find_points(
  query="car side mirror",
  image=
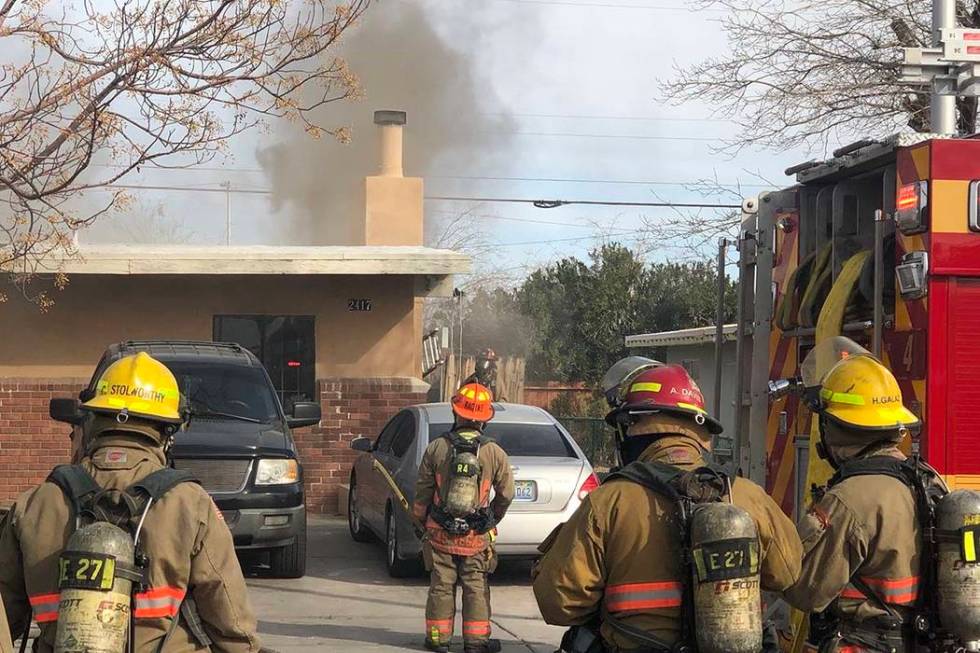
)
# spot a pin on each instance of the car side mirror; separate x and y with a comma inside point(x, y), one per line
point(66, 410)
point(304, 413)
point(362, 444)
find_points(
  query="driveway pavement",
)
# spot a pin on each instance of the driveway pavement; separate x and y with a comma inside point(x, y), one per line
point(347, 602)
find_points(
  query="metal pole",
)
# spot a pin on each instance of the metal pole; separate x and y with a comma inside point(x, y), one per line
point(227, 186)
point(719, 326)
point(942, 107)
point(879, 292)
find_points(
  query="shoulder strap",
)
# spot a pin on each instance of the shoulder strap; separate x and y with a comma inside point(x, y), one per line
point(707, 483)
point(158, 483)
point(658, 477)
point(77, 484)
point(872, 466)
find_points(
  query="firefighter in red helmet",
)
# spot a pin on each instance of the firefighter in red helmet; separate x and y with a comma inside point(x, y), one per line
point(621, 572)
point(452, 495)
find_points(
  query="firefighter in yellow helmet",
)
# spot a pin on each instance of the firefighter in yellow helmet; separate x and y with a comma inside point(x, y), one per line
point(187, 589)
point(452, 496)
point(616, 571)
point(863, 563)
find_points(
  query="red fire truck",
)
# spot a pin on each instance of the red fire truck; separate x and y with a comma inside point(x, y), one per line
point(882, 244)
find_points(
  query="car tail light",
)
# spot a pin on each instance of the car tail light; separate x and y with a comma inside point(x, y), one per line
point(591, 483)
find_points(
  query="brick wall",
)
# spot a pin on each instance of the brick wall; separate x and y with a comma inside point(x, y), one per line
point(31, 443)
point(351, 408)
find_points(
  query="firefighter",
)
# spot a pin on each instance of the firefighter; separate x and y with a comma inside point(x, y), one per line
point(192, 594)
point(614, 571)
point(486, 371)
point(862, 540)
point(452, 496)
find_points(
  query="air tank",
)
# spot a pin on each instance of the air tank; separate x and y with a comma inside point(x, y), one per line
point(94, 610)
point(463, 495)
point(726, 592)
point(958, 569)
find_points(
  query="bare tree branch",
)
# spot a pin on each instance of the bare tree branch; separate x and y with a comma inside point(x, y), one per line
point(142, 83)
point(806, 72)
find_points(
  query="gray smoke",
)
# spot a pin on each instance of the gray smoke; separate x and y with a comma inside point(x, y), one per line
point(403, 63)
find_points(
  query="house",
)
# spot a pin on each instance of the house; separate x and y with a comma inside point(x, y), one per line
point(341, 325)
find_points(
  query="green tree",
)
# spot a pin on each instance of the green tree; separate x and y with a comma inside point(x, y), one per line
point(581, 311)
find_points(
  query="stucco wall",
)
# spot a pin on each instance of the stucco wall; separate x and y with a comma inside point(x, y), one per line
point(94, 311)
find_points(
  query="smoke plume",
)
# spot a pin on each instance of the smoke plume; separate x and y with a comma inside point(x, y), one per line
point(403, 63)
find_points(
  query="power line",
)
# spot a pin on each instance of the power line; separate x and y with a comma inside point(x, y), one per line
point(566, 240)
point(605, 5)
point(246, 191)
point(565, 116)
point(487, 216)
point(706, 139)
point(624, 182)
point(189, 168)
point(594, 181)
point(551, 204)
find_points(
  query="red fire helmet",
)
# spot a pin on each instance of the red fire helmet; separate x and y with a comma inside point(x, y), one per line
point(667, 388)
point(473, 401)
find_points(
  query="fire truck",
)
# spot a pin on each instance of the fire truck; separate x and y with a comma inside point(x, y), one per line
point(881, 243)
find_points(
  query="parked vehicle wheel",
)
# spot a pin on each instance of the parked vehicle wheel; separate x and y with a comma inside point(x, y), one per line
point(397, 567)
point(359, 531)
point(290, 561)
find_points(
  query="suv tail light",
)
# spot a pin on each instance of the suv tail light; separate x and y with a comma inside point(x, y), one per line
point(591, 483)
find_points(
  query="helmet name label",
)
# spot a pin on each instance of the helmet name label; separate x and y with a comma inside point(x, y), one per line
point(887, 399)
point(125, 390)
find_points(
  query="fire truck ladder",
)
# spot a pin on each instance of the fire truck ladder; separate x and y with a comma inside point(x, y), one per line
point(756, 300)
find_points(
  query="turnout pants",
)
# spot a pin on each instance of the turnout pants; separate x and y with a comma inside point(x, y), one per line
point(470, 572)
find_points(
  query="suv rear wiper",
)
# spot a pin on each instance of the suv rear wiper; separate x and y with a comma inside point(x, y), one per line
point(216, 413)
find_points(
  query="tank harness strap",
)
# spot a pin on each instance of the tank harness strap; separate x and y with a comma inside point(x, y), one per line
point(78, 486)
point(153, 487)
point(686, 488)
point(651, 644)
point(192, 619)
point(919, 478)
point(158, 483)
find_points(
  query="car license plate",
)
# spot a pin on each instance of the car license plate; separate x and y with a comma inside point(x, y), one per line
point(525, 491)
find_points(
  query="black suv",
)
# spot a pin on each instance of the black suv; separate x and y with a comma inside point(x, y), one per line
point(237, 442)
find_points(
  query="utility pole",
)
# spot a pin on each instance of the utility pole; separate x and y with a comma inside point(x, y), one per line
point(227, 186)
point(943, 100)
point(950, 68)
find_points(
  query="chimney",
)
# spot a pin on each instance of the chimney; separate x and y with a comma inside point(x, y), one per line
point(391, 123)
point(392, 211)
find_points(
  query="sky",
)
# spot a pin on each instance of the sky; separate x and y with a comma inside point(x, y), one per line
point(512, 95)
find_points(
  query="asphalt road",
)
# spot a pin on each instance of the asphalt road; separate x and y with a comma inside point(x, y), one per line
point(347, 602)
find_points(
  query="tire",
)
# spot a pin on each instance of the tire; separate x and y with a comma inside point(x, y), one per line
point(397, 567)
point(290, 561)
point(359, 531)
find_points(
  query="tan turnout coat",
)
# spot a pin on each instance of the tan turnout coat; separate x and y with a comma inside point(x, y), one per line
point(619, 552)
point(189, 546)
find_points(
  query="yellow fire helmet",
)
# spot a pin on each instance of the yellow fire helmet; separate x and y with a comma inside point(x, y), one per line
point(860, 392)
point(140, 386)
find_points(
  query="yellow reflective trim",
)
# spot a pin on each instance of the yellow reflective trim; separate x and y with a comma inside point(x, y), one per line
point(842, 397)
point(691, 407)
point(646, 387)
point(969, 547)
